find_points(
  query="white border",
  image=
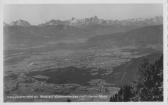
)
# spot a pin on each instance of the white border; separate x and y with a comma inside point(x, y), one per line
point(165, 43)
point(165, 50)
point(80, 1)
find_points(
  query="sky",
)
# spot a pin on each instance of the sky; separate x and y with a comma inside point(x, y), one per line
point(40, 13)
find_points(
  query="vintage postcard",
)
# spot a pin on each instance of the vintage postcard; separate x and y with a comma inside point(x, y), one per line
point(84, 52)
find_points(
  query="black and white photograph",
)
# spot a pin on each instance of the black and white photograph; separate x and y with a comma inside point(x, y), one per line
point(83, 52)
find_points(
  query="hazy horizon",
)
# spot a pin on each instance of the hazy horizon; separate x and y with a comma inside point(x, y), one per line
point(40, 13)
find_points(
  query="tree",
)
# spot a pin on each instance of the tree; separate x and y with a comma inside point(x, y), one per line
point(125, 94)
point(149, 86)
point(68, 100)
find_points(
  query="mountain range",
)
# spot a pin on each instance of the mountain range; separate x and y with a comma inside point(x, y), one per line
point(22, 34)
point(141, 36)
point(93, 21)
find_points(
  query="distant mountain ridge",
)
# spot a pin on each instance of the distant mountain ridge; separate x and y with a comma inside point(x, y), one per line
point(99, 37)
point(94, 21)
point(20, 22)
point(149, 35)
point(110, 33)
